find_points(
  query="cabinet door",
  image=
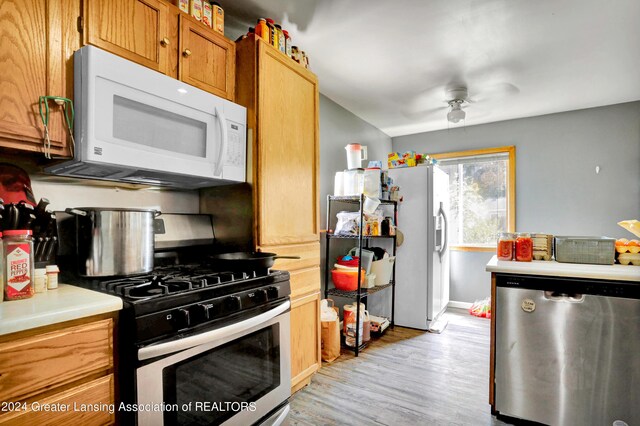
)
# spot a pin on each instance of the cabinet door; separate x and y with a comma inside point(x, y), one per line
point(305, 339)
point(133, 29)
point(208, 60)
point(37, 37)
point(287, 145)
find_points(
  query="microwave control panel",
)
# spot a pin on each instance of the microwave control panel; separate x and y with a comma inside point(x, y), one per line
point(235, 145)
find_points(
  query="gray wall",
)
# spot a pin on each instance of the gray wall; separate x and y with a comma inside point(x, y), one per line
point(339, 127)
point(557, 188)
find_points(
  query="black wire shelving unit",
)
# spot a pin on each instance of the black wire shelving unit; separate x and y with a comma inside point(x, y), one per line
point(361, 294)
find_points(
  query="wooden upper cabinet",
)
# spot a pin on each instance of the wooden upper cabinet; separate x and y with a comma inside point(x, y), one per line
point(207, 60)
point(287, 175)
point(37, 40)
point(134, 29)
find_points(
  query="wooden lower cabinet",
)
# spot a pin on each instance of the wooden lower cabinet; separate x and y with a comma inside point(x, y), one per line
point(86, 404)
point(305, 339)
point(69, 366)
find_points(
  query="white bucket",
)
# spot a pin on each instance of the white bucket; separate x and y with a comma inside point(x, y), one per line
point(383, 269)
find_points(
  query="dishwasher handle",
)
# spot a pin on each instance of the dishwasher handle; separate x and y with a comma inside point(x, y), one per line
point(556, 296)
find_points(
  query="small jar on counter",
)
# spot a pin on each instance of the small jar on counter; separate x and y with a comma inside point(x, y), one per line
point(524, 247)
point(52, 277)
point(18, 264)
point(40, 280)
point(506, 246)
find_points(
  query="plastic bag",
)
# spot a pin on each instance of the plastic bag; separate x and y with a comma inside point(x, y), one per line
point(481, 308)
point(348, 223)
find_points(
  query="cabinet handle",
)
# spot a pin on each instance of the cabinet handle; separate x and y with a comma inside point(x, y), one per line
point(186, 53)
point(165, 42)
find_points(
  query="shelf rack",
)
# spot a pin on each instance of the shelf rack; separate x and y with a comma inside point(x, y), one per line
point(361, 293)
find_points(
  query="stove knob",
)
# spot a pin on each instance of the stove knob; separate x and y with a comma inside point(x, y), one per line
point(204, 312)
point(182, 318)
point(272, 292)
point(233, 303)
point(261, 295)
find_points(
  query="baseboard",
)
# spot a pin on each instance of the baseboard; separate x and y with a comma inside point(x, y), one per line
point(461, 305)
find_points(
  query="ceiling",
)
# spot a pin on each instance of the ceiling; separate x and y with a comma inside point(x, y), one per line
point(391, 62)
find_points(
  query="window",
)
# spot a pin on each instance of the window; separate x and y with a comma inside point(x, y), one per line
point(482, 194)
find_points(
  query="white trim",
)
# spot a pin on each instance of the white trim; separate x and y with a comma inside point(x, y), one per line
point(461, 305)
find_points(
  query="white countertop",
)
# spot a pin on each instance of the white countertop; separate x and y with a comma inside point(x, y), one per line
point(65, 303)
point(556, 269)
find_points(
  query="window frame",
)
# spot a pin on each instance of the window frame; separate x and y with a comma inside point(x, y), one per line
point(511, 188)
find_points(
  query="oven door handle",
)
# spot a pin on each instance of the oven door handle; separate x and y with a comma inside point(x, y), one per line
point(219, 333)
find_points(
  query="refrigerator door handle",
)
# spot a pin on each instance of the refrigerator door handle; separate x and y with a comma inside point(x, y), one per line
point(445, 231)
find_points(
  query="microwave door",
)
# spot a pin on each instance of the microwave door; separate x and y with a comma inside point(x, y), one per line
point(142, 129)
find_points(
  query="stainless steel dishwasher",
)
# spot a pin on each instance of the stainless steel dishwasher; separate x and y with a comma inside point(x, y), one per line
point(567, 350)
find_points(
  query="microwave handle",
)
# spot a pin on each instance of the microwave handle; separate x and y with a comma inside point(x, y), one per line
point(223, 144)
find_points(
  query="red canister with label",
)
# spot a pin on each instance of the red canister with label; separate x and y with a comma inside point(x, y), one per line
point(18, 268)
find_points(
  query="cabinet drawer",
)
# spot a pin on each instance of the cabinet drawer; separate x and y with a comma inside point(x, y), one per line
point(87, 404)
point(33, 364)
point(305, 281)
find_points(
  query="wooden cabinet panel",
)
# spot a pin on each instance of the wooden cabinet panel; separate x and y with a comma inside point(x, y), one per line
point(305, 337)
point(287, 151)
point(31, 364)
point(97, 393)
point(133, 29)
point(309, 254)
point(305, 281)
point(208, 60)
point(37, 38)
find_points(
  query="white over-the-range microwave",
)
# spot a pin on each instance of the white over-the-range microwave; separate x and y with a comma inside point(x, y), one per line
point(136, 125)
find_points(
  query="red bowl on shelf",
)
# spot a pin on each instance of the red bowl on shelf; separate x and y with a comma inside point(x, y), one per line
point(353, 262)
point(347, 280)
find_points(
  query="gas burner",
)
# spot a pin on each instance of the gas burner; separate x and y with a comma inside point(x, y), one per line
point(157, 287)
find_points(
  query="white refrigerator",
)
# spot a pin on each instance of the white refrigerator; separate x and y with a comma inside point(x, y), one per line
point(422, 262)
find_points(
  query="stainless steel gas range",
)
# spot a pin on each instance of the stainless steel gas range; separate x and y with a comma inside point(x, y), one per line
point(198, 345)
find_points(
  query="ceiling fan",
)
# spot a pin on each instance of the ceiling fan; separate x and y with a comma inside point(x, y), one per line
point(457, 98)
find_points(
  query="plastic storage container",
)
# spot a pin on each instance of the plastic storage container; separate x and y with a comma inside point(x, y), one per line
point(593, 250)
point(383, 269)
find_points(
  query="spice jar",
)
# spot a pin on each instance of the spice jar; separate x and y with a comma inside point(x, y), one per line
point(287, 43)
point(273, 34)
point(40, 280)
point(524, 247)
point(506, 246)
point(262, 30)
point(52, 277)
point(18, 265)
point(281, 43)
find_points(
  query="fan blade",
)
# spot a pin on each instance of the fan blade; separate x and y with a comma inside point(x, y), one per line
point(425, 113)
point(493, 91)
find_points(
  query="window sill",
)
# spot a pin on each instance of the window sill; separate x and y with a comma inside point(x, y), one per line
point(473, 248)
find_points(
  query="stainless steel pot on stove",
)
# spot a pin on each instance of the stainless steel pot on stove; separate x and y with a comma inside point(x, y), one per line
point(112, 241)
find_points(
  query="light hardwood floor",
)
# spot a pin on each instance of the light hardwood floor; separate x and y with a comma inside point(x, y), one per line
point(407, 377)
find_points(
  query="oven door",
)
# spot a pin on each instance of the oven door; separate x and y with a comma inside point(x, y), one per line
point(235, 375)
